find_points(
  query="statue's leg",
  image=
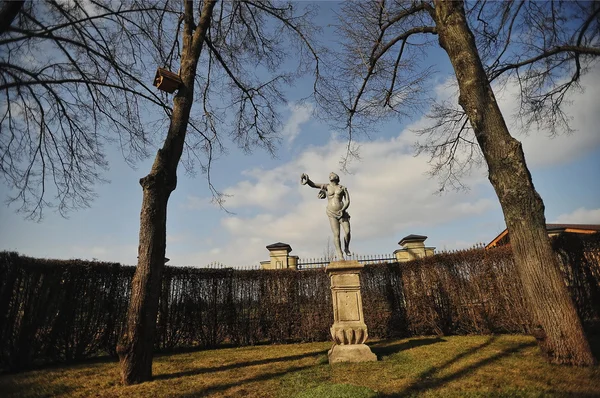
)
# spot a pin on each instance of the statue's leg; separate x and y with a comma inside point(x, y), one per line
point(346, 225)
point(335, 228)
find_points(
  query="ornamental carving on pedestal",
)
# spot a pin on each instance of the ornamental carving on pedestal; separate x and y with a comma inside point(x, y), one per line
point(349, 331)
point(349, 335)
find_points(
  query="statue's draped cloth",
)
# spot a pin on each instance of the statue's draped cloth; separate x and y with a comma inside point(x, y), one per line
point(345, 216)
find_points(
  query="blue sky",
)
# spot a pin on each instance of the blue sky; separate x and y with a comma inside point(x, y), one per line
point(391, 194)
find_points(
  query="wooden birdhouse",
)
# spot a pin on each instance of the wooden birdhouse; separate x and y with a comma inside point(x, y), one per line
point(166, 80)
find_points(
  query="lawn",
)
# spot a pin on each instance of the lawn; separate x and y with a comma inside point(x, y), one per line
point(456, 366)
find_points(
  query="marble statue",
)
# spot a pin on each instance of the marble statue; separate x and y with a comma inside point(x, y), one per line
point(338, 200)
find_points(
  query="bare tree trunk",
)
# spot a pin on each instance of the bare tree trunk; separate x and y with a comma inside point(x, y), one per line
point(560, 332)
point(137, 342)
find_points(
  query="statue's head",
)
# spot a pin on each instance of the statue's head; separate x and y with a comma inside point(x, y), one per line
point(334, 177)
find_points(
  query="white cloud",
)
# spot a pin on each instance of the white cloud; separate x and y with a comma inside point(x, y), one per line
point(195, 203)
point(269, 195)
point(275, 183)
point(579, 216)
point(391, 196)
point(90, 8)
point(301, 113)
point(126, 254)
point(178, 238)
point(542, 150)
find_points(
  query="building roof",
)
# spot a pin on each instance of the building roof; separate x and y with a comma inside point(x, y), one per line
point(561, 227)
point(555, 228)
point(412, 238)
point(279, 245)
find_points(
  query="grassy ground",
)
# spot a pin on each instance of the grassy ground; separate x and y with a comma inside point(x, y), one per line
point(473, 366)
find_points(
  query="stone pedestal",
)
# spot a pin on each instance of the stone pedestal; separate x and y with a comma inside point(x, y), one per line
point(349, 331)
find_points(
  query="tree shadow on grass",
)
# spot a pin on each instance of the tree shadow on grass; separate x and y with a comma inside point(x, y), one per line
point(381, 349)
point(427, 380)
point(100, 359)
point(237, 365)
point(10, 388)
point(594, 340)
point(258, 378)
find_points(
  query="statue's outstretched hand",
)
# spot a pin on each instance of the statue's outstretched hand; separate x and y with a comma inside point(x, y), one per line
point(304, 179)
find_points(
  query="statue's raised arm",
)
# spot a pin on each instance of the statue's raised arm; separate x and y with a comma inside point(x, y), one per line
point(338, 200)
point(305, 180)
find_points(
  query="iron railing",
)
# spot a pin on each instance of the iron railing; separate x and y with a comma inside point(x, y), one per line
point(312, 263)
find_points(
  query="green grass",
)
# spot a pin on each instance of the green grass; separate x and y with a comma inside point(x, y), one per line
point(458, 366)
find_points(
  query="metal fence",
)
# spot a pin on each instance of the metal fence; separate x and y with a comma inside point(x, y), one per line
point(315, 263)
point(312, 263)
point(219, 265)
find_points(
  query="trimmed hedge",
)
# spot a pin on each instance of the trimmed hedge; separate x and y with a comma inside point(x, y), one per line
point(61, 311)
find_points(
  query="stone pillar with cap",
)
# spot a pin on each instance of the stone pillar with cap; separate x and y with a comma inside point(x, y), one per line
point(349, 331)
point(280, 258)
point(413, 247)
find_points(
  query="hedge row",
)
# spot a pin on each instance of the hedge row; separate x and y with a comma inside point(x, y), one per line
point(58, 311)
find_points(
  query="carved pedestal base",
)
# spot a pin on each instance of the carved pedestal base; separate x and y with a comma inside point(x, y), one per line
point(349, 331)
point(351, 353)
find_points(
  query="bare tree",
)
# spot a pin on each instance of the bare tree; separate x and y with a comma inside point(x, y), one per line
point(544, 47)
point(329, 251)
point(91, 88)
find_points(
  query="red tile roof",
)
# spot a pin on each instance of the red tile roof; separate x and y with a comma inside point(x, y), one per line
point(553, 228)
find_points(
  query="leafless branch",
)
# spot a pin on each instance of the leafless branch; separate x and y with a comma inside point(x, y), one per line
point(543, 47)
point(93, 88)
